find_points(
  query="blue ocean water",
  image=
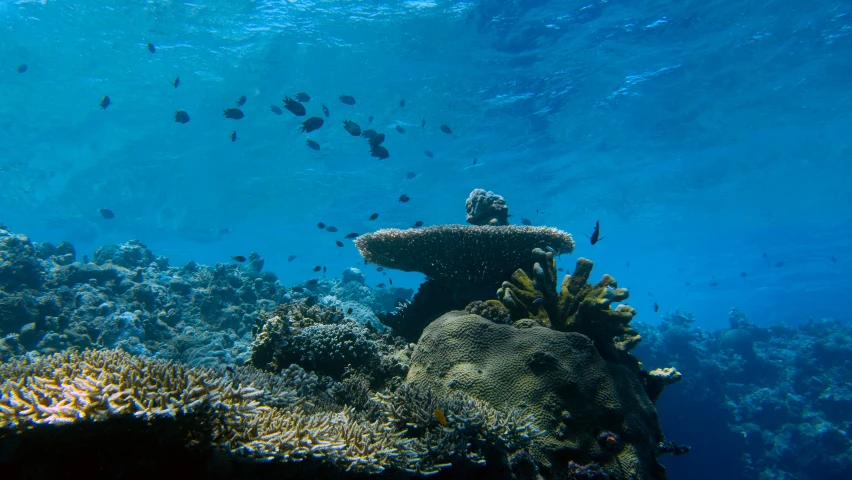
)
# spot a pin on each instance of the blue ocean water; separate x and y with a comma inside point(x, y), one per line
point(707, 137)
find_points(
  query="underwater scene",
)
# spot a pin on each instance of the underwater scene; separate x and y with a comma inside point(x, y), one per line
point(498, 239)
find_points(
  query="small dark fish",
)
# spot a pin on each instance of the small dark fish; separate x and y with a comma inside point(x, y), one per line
point(627, 264)
point(402, 103)
point(291, 258)
point(475, 160)
point(321, 225)
point(233, 136)
point(317, 268)
point(714, 284)
point(538, 301)
point(313, 281)
point(446, 129)
point(650, 294)
point(303, 97)
point(379, 269)
point(312, 144)
point(348, 100)
point(151, 48)
point(295, 107)
point(351, 235)
point(428, 154)
point(390, 281)
point(377, 140)
point(338, 243)
point(323, 269)
point(224, 231)
point(764, 254)
point(331, 229)
point(560, 269)
point(352, 128)
point(239, 258)
point(418, 224)
point(176, 83)
point(298, 289)
point(325, 110)
point(234, 113)
point(525, 221)
point(381, 285)
point(276, 110)
point(370, 119)
point(241, 101)
point(833, 259)
point(551, 250)
point(349, 311)
point(105, 102)
point(368, 133)
point(688, 284)
point(779, 264)
point(106, 213)
point(423, 123)
point(22, 68)
point(595, 238)
point(744, 274)
point(374, 216)
point(400, 129)
point(311, 124)
point(410, 175)
point(379, 152)
point(181, 117)
point(404, 198)
point(656, 307)
point(230, 369)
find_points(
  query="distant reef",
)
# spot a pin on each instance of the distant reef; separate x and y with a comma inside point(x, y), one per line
point(766, 402)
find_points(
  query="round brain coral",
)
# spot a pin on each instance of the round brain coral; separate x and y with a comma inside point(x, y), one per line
point(560, 377)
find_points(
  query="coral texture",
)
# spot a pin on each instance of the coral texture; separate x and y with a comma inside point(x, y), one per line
point(486, 208)
point(572, 392)
point(461, 255)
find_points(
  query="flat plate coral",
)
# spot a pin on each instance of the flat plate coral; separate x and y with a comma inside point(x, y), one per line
point(461, 254)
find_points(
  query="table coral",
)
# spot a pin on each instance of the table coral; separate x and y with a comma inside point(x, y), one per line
point(458, 254)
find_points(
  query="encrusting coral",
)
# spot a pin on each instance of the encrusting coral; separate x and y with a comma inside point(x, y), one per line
point(253, 414)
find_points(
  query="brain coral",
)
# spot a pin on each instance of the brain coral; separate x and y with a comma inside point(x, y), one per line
point(459, 254)
point(575, 396)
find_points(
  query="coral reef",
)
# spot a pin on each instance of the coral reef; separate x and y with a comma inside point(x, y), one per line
point(255, 415)
point(573, 393)
point(486, 208)
point(462, 256)
point(491, 309)
point(776, 395)
point(129, 298)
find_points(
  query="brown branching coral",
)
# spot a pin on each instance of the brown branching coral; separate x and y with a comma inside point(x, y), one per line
point(490, 309)
point(459, 255)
